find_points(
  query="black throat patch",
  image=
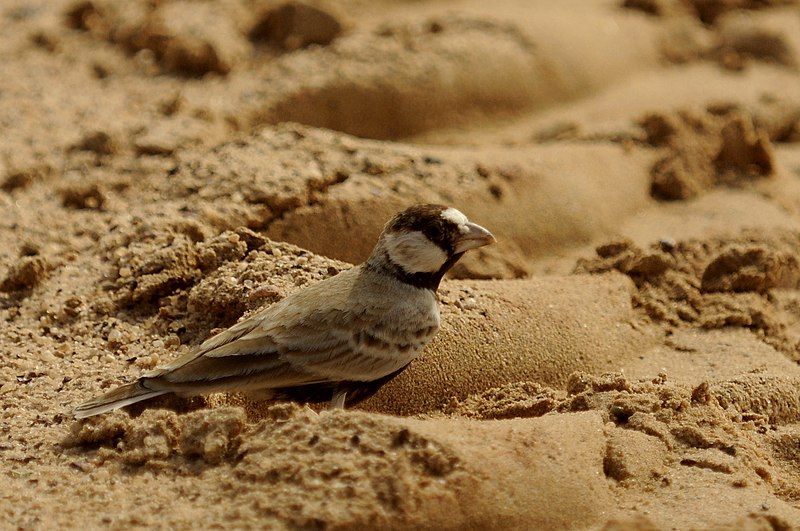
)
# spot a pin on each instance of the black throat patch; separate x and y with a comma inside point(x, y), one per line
point(418, 280)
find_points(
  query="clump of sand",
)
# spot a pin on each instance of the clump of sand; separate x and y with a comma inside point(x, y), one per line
point(713, 283)
point(706, 150)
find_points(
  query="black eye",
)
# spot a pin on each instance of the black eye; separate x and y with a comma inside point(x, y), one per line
point(435, 234)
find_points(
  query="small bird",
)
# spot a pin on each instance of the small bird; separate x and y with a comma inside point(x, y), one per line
point(345, 335)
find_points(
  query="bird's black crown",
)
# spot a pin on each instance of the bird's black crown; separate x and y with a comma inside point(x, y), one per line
point(428, 220)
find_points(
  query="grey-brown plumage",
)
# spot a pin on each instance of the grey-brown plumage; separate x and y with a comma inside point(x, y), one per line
point(344, 336)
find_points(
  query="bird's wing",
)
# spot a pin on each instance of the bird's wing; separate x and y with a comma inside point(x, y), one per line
point(327, 332)
point(309, 337)
point(351, 351)
point(245, 352)
point(325, 345)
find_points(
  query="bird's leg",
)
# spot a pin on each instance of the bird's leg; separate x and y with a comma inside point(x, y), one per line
point(337, 402)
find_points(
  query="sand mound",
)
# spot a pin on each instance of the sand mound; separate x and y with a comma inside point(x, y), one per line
point(181, 37)
point(208, 283)
point(386, 470)
point(434, 60)
point(549, 329)
point(712, 284)
point(25, 274)
point(434, 81)
point(335, 184)
point(517, 400)
point(705, 151)
point(616, 113)
point(767, 36)
point(657, 435)
point(191, 39)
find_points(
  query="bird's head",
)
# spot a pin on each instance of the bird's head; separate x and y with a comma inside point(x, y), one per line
point(420, 244)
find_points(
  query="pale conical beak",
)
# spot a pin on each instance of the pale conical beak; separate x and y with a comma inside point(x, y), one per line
point(476, 236)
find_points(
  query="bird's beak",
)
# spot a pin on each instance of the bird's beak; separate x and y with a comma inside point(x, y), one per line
point(476, 236)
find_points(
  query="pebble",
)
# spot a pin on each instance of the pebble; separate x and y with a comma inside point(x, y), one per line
point(46, 356)
point(667, 244)
point(263, 292)
point(467, 304)
point(114, 337)
point(172, 341)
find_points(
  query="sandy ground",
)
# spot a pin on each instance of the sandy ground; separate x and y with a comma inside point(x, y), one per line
point(626, 357)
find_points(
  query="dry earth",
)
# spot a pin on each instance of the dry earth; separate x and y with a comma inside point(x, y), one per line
point(625, 358)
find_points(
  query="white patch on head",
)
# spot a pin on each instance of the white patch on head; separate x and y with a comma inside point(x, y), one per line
point(414, 252)
point(455, 216)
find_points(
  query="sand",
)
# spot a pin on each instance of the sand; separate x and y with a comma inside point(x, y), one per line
point(626, 357)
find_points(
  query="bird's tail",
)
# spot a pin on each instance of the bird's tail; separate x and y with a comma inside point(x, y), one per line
point(121, 396)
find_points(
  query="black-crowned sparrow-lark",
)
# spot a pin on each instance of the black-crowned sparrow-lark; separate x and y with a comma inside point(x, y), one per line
point(343, 337)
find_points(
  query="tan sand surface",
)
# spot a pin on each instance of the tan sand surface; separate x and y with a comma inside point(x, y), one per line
point(626, 357)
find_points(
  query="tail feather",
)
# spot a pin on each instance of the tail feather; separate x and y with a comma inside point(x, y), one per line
point(121, 396)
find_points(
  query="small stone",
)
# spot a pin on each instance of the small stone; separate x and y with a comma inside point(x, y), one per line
point(294, 24)
point(114, 338)
point(667, 244)
point(46, 356)
point(25, 274)
point(468, 304)
point(83, 197)
point(613, 248)
point(652, 264)
point(172, 341)
point(98, 142)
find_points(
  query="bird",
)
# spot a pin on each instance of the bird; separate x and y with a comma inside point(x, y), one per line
point(338, 340)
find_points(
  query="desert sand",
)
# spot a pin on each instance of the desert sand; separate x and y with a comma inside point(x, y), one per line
point(626, 357)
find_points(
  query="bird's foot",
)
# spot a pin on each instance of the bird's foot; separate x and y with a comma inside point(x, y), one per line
point(337, 402)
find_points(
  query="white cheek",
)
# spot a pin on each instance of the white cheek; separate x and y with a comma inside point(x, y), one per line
point(414, 252)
